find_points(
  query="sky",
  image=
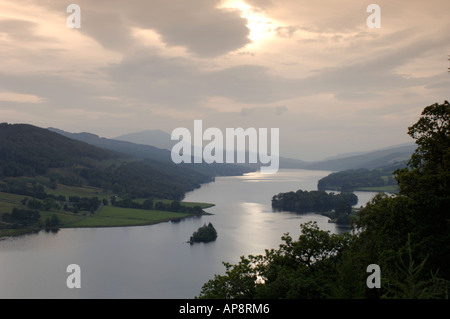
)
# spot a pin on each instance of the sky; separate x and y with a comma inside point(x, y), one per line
point(313, 69)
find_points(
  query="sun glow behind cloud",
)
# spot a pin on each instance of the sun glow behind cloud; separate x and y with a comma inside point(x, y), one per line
point(261, 27)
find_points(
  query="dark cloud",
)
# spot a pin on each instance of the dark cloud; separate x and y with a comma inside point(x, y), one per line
point(181, 83)
point(198, 25)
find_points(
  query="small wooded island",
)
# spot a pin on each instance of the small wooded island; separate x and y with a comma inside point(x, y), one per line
point(337, 207)
point(204, 234)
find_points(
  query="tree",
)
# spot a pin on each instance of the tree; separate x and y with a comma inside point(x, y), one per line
point(425, 181)
point(53, 223)
point(412, 286)
point(148, 204)
point(160, 206)
point(298, 269)
point(175, 206)
point(420, 211)
point(205, 234)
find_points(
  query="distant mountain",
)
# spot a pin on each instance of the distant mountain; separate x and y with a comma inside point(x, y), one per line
point(374, 159)
point(163, 140)
point(27, 150)
point(290, 163)
point(156, 138)
point(346, 155)
point(138, 150)
point(155, 153)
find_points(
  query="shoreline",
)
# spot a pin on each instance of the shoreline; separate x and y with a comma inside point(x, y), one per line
point(113, 218)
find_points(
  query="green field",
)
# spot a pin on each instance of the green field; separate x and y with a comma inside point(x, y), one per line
point(9, 201)
point(107, 216)
point(85, 191)
point(116, 216)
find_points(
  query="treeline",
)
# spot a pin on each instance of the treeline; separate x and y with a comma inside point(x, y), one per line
point(145, 178)
point(77, 204)
point(204, 234)
point(74, 204)
point(312, 201)
point(149, 204)
point(350, 180)
point(406, 235)
point(25, 188)
point(137, 179)
point(20, 218)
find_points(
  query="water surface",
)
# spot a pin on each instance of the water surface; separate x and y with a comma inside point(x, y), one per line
point(155, 261)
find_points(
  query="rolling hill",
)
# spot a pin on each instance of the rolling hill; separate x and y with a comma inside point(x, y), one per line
point(369, 160)
point(156, 138)
point(49, 157)
point(145, 151)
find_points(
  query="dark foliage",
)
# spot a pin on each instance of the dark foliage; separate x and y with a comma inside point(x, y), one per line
point(313, 201)
point(26, 150)
point(350, 180)
point(204, 234)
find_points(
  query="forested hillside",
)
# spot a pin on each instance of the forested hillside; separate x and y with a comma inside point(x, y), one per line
point(30, 151)
point(377, 179)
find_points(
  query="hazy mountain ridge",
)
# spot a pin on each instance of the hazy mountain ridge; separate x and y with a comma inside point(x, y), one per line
point(151, 152)
point(369, 159)
point(156, 138)
point(138, 150)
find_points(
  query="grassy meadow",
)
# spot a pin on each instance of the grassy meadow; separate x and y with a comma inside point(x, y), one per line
point(106, 216)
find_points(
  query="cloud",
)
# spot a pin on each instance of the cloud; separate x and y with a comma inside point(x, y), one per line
point(199, 25)
point(20, 30)
point(286, 31)
point(266, 110)
point(20, 98)
point(157, 64)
